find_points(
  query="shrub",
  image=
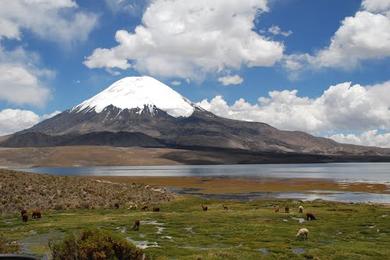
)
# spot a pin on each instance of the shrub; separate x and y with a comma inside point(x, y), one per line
point(94, 244)
point(7, 247)
point(59, 206)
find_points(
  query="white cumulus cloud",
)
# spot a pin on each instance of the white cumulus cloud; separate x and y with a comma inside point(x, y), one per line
point(126, 6)
point(59, 20)
point(341, 108)
point(187, 39)
point(376, 5)
point(370, 138)
point(364, 36)
point(21, 80)
point(231, 80)
point(13, 120)
point(176, 83)
point(20, 86)
point(276, 30)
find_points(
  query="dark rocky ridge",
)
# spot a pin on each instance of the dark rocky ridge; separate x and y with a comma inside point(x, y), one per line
point(119, 139)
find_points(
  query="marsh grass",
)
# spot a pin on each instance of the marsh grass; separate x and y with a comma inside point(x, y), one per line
point(248, 230)
point(7, 246)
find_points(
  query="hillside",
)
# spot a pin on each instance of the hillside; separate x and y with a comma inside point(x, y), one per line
point(29, 191)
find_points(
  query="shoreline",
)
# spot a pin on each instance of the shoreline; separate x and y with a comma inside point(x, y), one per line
point(244, 188)
point(249, 189)
point(228, 185)
point(89, 155)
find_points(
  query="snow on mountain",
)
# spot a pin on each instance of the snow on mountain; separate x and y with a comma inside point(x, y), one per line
point(139, 92)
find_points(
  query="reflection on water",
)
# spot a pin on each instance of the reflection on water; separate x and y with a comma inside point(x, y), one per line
point(340, 172)
point(361, 197)
point(339, 196)
point(343, 172)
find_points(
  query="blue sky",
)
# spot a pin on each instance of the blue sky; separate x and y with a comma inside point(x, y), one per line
point(58, 52)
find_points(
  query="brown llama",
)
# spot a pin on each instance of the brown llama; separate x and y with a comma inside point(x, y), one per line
point(23, 212)
point(205, 208)
point(156, 209)
point(310, 216)
point(286, 209)
point(136, 225)
point(25, 217)
point(277, 209)
point(36, 214)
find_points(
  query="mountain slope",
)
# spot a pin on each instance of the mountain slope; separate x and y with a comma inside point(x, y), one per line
point(145, 106)
point(119, 139)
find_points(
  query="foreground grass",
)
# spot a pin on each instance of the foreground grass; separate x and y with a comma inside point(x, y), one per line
point(248, 230)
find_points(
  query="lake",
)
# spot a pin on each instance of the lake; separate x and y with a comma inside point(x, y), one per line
point(339, 172)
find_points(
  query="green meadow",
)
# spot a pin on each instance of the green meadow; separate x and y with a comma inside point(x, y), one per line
point(247, 230)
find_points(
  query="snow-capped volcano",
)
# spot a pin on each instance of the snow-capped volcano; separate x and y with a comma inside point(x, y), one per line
point(139, 93)
point(141, 111)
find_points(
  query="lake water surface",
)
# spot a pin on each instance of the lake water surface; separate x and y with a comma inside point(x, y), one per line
point(342, 172)
point(339, 172)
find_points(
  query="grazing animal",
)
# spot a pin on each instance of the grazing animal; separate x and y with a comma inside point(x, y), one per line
point(156, 209)
point(277, 209)
point(116, 205)
point(300, 209)
point(144, 208)
point(205, 208)
point(286, 209)
point(25, 217)
point(225, 207)
point(303, 233)
point(136, 225)
point(310, 216)
point(23, 212)
point(36, 214)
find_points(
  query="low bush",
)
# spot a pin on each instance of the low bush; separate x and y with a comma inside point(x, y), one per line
point(94, 244)
point(7, 247)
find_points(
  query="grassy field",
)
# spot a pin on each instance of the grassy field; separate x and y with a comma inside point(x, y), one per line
point(247, 230)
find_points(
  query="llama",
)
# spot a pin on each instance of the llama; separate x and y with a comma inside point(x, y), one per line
point(300, 209)
point(225, 207)
point(156, 209)
point(136, 225)
point(23, 212)
point(310, 216)
point(205, 208)
point(25, 217)
point(286, 209)
point(277, 209)
point(144, 208)
point(302, 233)
point(36, 214)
